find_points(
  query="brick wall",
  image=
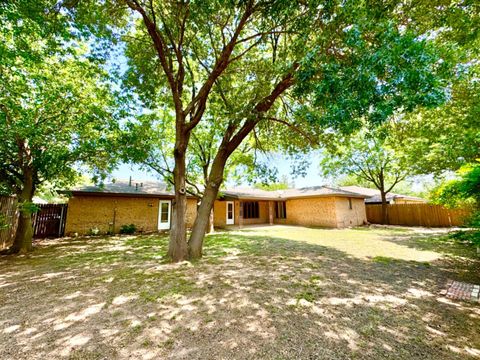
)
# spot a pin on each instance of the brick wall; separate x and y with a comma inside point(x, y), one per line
point(320, 211)
point(87, 212)
point(350, 217)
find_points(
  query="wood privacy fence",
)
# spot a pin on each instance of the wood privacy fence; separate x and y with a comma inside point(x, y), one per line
point(49, 221)
point(418, 215)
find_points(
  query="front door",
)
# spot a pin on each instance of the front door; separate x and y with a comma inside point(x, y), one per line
point(230, 213)
point(164, 214)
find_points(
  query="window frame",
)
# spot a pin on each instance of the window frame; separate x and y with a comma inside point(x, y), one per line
point(280, 209)
point(251, 210)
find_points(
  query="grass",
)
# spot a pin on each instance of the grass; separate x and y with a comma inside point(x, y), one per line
point(264, 292)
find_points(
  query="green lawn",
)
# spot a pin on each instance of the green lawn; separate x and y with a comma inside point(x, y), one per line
point(264, 292)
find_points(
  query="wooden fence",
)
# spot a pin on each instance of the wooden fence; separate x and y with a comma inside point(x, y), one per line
point(418, 215)
point(49, 221)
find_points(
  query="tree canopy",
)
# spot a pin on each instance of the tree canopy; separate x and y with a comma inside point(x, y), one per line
point(56, 106)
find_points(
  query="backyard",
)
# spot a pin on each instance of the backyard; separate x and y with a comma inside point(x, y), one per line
point(275, 292)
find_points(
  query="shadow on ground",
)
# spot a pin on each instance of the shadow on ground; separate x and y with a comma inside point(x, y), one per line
point(251, 296)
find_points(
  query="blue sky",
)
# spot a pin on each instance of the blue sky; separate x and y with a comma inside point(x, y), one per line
point(282, 163)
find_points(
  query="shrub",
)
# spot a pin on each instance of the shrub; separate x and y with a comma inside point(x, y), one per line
point(128, 229)
point(469, 237)
point(94, 231)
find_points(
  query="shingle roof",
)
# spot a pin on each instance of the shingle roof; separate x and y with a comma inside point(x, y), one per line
point(153, 188)
point(313, 191)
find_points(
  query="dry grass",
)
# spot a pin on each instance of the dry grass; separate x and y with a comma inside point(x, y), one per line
point(266, 292)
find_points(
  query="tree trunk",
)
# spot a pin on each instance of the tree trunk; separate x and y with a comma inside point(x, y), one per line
point(384, 207)
point(202, 220)
point(206, 205)
point(211, 223)
point(22, 242)
point(178, 247)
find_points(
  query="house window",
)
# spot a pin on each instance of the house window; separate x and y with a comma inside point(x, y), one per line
point(350, 203)
point(281, 210)
point(250, 210)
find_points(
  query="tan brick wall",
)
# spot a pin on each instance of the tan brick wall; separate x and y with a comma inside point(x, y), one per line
point(220, 214)
point(350, 217)
point(87, 212)
point(321, 211)
point(191, 211)
point(311, 212)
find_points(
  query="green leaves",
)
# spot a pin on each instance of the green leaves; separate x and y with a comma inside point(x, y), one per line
point(56, 106)
point(369, 70)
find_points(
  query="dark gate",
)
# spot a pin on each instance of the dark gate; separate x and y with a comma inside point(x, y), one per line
point(49, 220)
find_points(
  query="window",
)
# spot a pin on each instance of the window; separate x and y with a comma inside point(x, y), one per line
point(281, 210)
point(350, 203)
point(250, 210)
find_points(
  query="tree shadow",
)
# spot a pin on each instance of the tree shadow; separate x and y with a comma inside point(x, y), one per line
point(249, 297)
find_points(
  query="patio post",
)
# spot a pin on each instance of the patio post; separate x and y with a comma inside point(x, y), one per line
point(240, 214)
point(270, 212)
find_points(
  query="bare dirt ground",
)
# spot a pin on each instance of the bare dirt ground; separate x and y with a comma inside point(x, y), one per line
point(259, 293)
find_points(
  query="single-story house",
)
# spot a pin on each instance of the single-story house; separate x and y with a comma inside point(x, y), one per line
point(148, 206)
point(373, 196)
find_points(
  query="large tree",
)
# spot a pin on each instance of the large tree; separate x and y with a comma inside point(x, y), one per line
point(346, 60)
point(369, 157)
point(55, 106)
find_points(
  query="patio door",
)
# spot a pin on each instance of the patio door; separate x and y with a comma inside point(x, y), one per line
point(164, 212)
point(230, 213)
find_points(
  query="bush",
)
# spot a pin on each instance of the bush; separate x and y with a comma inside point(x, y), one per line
point(94, 231)
point(471, 237)
point(128, 229)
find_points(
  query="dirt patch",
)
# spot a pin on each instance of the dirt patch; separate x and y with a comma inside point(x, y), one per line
point(278, 293)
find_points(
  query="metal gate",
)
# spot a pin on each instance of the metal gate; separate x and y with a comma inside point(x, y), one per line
point(49, 220)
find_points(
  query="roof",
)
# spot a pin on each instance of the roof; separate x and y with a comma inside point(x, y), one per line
point(158, 189)
point(124, 187)
point(313, 191)
point(373, 195)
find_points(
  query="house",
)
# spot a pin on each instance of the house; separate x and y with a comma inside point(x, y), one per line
point(148, 206)
point(374, 197)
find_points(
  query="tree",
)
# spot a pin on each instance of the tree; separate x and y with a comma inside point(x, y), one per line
point(447, 137)
point(308, 65)
point(464, 190)
point(368, 157)
point(55, 107)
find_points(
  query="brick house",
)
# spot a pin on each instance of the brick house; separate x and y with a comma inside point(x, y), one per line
point(148, 206)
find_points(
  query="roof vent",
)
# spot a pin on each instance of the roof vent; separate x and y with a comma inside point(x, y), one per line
point(136, 186)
